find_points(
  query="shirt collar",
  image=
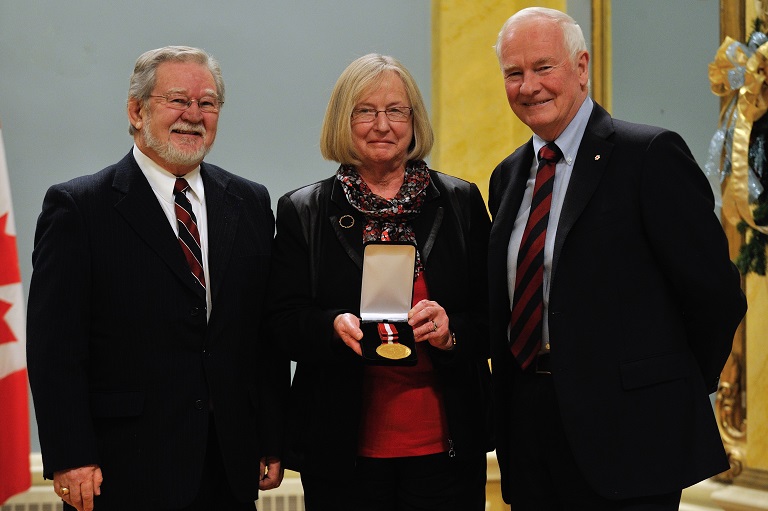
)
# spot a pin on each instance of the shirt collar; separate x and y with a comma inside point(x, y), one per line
point(162, 181)
point(570, 139)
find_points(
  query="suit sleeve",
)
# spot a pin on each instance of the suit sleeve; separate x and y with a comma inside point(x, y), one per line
point(273, 367)
point(690, 245)
point(274, 382)
point(304, 329)
point(57, 335)
point(471, 323)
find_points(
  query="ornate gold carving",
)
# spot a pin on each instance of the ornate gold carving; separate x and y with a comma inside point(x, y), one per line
point(731, 411)
point(753, 478)
point(730, 404)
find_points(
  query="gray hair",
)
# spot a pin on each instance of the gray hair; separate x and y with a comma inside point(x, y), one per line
point(144, 74)
point(573, 37)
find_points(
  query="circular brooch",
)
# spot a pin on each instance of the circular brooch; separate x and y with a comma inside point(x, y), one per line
point(346, 221)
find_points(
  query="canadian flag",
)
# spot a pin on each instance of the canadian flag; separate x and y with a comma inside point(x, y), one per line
point(14, 407)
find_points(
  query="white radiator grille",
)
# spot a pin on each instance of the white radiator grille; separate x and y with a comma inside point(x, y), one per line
point(280, 502)
point(37, 498)
point(288, 497)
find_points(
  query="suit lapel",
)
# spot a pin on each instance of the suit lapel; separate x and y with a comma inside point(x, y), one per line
point(513, 175)
point(347, 223)
point(507, 189)
point(591, 162)
point(427, 224)
point(140, 208)
point(223, 209)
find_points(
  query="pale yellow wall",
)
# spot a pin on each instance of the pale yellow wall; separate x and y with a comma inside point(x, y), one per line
point(474, 126)
point(757, 372)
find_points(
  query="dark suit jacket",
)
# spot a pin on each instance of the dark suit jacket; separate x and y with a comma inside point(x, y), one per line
point(316, 275)
point(122, 364)
point(643, 305)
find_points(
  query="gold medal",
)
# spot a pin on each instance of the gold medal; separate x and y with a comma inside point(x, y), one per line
point(393, 351)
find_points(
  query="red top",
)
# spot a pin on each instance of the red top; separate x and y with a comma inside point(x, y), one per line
point(403, 411)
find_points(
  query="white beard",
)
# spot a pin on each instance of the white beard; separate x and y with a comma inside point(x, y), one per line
point(169, 152)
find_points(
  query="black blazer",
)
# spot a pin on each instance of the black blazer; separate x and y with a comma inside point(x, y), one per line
point(316, 274)
point(122, 364)
point(643, 305)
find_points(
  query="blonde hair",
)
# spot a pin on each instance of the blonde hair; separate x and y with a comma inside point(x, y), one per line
point(359, 77)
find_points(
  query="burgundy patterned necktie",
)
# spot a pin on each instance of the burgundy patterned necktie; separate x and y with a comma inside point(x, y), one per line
point(189, 237)
point(527, 308)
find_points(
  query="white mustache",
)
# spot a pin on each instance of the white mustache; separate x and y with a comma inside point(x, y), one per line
point(189, 127)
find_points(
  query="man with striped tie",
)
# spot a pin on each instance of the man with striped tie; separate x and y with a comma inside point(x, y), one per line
point(153, 386)
point(613, 300)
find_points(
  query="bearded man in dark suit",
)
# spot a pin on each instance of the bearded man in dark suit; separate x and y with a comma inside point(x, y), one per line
point(613, 307)
point(152, 385)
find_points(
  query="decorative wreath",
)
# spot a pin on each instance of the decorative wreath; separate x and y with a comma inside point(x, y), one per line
point(738, 148)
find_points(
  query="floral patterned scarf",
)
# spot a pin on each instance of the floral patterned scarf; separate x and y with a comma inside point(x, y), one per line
point(388, 219)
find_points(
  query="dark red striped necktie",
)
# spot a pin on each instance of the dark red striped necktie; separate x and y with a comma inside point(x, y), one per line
point(189, 237)
point(525, 333)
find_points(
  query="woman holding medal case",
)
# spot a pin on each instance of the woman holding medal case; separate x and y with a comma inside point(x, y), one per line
point(384, 437)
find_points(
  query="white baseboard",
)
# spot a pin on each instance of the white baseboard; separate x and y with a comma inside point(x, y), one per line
point(706, 496)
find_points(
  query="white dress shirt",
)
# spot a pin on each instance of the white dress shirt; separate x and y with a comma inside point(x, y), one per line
point(568, 142)
point(162, 183)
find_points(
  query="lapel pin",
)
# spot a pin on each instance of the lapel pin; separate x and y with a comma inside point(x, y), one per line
point(347, 221)
point(597, 157)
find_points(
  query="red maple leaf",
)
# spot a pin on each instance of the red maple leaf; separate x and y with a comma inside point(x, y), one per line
point(9, 259)
point(6, 334)
point(9, 274)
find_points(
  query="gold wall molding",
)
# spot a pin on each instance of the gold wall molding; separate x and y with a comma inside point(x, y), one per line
point(730, 402)
point(601, 56)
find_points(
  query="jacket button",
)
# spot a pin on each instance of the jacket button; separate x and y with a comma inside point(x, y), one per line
point(196, 311)
point(199, 404)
